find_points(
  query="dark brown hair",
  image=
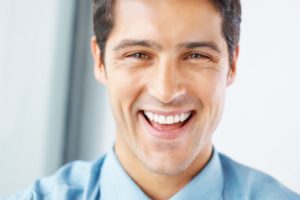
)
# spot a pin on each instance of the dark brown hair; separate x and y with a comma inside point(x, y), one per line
point(230, 10)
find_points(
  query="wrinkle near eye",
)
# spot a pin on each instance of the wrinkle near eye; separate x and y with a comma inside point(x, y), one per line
point(127, 62)
point(197, 56)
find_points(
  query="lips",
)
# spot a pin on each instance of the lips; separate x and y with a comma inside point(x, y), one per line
point(166, 125)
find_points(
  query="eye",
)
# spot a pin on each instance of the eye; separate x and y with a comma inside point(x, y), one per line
point(196, 56)
point(139, 56)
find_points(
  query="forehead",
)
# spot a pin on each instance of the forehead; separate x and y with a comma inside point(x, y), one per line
point(166, 21)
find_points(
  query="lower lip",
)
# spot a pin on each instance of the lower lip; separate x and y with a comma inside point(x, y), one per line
point(166, 135)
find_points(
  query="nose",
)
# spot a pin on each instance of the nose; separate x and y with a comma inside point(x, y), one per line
point(167, 83)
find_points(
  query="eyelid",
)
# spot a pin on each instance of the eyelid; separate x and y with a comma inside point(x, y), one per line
point(202, 55)
point(132, 55)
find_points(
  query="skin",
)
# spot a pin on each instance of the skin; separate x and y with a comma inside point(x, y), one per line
point(165, 56)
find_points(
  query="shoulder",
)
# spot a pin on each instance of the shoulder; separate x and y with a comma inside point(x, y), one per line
point(76, 180)
point(246, 183)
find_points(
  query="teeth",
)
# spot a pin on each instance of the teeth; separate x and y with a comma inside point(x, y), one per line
point(170, 119)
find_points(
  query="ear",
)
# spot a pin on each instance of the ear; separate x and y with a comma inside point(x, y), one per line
point(232, 70)
point(99, 69)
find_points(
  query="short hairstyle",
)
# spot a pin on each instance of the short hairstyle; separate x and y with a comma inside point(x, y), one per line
point(230, 11)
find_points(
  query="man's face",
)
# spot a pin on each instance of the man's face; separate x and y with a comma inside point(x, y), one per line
point(166, 70)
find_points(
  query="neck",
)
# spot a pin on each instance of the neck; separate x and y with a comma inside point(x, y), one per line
point(160, 186)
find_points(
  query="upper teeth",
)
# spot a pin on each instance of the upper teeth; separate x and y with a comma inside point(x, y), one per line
point(169, 119)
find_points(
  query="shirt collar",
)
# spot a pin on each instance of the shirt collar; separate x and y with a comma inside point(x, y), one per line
point(207, 184)
point(116, 184)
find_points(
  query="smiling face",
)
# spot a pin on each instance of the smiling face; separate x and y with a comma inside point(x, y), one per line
point(166, 70)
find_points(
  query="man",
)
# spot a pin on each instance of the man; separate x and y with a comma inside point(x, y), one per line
point(166, 64)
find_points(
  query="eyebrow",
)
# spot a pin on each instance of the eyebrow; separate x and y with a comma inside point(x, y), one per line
point(143, 43)
point(194, 45)
point(153, 45)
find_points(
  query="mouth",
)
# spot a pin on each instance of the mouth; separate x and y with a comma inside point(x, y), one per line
point(169, 125)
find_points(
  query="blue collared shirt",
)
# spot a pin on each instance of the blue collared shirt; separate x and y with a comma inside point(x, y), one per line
point(105, 179)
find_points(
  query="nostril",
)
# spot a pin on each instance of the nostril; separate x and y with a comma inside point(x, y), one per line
point(166, 95)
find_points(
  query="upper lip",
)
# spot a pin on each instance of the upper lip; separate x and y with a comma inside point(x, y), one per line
point(166, 113)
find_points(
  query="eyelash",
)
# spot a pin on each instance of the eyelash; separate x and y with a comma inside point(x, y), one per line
point(144, 56)
point(139, 56)
point(196, 56)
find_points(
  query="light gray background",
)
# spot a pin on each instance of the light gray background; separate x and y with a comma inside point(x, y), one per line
point(260, 126)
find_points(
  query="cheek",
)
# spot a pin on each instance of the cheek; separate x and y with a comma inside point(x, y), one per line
point(209, 87)
point(124, 88)
point(210, 90)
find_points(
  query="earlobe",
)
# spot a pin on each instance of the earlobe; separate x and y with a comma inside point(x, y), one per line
point(99, 70)
point(232, 70)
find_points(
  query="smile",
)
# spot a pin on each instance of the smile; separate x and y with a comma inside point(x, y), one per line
point(169, 119)
point(164, 125)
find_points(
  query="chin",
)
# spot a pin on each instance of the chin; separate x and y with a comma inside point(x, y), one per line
point(167, 163)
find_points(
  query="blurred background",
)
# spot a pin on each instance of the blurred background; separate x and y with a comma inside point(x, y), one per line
point(53, 111)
